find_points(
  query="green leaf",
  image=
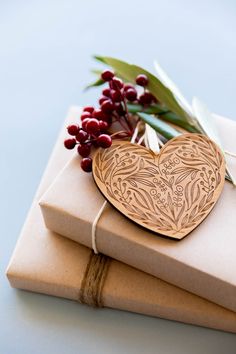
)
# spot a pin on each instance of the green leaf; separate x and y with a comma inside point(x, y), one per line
point(99, 58)
point(161, 127)
point(98, 82)
point(164, 113)
point(153, 109)
point(174, 119)
point(158, 89)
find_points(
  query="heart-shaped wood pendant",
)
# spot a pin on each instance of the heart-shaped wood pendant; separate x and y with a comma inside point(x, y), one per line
point(170, 193)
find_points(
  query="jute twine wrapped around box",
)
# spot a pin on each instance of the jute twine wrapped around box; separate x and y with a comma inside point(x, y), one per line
point(93, 280)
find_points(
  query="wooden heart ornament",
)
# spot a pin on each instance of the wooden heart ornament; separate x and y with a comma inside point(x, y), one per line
point(170, 193)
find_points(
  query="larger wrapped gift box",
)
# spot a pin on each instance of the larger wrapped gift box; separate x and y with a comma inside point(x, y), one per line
point(47, 263)
point(203, 263)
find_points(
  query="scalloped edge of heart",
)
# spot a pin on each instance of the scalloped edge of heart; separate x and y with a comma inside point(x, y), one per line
point(169, 193)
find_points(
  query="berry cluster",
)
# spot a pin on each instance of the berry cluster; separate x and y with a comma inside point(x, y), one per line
point(96, 124)
point(91, 132)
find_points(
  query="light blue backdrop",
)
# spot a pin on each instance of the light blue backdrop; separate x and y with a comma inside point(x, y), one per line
point(45, 58)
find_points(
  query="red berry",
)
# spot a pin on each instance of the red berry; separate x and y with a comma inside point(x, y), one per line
point(131, 94)
point(102, 99)
point(128, 86)
point(116, 83)
point(73, 129)
point(85, 115)
point(116, 96)
point(82, 136)
point(92, 127)
point(89, 109)
point(104, 141)
point(103, 125)
point(107, 75)
point(107, 106)
point(84, 123)
point(146, 98)
point(70, 143)
point(154, 99)
point(84, 149)
point(86, 164)
point(142, 80)
point(98, 114)
point(107, 118)
point(106, 92)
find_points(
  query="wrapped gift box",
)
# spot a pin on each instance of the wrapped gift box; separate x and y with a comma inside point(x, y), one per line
point(48, 263)
point(203, 263)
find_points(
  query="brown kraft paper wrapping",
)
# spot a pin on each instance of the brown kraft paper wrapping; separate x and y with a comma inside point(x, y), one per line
point(204, 262)
point(48, 263)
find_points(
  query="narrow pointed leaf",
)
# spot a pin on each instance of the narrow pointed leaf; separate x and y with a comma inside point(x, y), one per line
point(98, 82)
point(165, 114)
point(161, 127)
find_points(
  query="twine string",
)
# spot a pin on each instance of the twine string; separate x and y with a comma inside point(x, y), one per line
point(91, 290)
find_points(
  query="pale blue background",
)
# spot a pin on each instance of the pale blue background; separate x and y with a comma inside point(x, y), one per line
point(45, 50)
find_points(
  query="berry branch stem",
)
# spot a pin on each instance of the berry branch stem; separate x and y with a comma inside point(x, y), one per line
point(120, 132)
point(127, 113)
point(122, 122)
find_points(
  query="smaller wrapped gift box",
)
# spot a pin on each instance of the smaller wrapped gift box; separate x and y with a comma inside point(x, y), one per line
point(48, 263)
point(203, 263)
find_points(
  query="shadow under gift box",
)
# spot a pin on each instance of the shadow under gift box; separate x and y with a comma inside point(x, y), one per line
point(47, 263)
point(203, 263)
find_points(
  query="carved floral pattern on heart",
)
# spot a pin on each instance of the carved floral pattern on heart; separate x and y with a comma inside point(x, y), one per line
point(169, 193)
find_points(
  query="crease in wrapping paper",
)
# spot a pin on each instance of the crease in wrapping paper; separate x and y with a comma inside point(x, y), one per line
point(203, 263)
point(47, 263)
